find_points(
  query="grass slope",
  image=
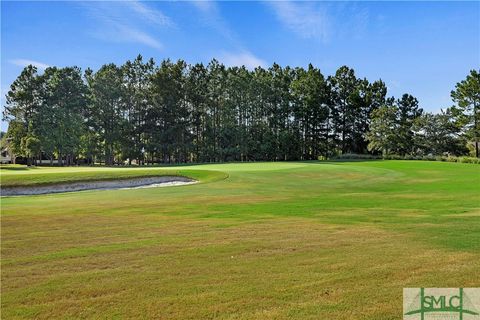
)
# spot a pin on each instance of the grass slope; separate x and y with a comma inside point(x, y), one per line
point(14, 176)
point(273, 241)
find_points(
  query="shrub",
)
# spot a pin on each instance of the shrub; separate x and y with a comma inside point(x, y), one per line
point(429, 157)
point(469, 160)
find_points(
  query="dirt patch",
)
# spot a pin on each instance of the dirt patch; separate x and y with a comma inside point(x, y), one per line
point(134, 183)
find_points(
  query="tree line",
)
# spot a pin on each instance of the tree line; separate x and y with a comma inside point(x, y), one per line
point(176, 112)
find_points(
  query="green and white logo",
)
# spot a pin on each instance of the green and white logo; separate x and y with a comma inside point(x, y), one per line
point(441, 303)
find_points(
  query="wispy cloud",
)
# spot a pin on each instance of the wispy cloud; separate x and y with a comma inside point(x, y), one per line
point(149, 14)
point(123, 33)
point(322, 20)
point(204, 5)
point(122, 21)
point(243, 58)
point(25, 62)
point(305, 19)
point(212, 17)
point(240, 56)
point(362, 20)
point(349, 20)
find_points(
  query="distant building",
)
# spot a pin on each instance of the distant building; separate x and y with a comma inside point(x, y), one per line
point(5, 156)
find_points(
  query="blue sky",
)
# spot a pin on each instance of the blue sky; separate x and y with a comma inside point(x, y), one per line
point(422, 48)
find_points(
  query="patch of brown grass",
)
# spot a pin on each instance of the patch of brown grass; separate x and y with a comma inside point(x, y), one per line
point(177, 267)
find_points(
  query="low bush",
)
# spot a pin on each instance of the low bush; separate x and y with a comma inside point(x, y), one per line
point(354, 156)
point(469, 160)
point(451, 159)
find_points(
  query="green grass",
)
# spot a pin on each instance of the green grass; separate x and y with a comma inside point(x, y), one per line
point(51, 175)
point(294, 240)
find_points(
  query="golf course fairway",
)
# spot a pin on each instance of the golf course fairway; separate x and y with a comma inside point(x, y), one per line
point(284, 240)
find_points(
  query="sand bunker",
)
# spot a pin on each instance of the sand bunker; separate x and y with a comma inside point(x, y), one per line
point(134, 183)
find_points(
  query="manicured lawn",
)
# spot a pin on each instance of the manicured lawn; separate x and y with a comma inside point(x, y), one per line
point(291, 240)
point(14, 176)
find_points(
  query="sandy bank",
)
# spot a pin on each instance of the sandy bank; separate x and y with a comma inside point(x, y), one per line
point(133, 183)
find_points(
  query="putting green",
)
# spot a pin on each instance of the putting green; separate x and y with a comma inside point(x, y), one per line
point(287, 240)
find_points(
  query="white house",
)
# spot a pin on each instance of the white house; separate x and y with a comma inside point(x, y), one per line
point(5, 156)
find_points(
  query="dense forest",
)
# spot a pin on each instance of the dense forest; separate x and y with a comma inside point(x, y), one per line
point(174, 112)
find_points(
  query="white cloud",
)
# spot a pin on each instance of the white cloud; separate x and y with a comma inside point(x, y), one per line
point(213, 18)
point(204, 5)
point(149, 14)
point(122, 21)
point(25, 62)
point(323, 20)
point(305, 19)
point(130, 34)
point(244, 58)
